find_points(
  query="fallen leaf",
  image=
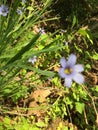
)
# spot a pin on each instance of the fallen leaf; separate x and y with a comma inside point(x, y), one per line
point(40, 95)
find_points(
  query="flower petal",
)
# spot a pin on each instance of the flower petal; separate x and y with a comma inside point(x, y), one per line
point(71, 60)
point(30, 60)
point(78, 78)
point(3, 10)
point(68, 82)
point(61, 73)
point(63, 62)
point(78, 68)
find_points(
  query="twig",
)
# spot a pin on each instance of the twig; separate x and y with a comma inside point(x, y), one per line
point(14, 113)
point(85, 117)
point(92, 104)
point(91, 99)
point(69, 113)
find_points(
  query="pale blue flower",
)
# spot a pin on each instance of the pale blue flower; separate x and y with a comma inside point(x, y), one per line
point(71, 71)
point(33, 59)
point(66, 43)
point(42, 31)
point(19, 11)
point(23, 1)
point(4, 10)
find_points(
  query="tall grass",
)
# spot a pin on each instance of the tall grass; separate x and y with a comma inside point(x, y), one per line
point(18, 41)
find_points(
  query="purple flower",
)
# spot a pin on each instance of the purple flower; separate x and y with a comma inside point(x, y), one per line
point(19, 11)
point(33, 59)
point(4, 10)
point(71, 72)
point(42, 31)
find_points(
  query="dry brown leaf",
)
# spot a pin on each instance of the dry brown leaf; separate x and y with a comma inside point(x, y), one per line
point(36, 109)
point(33, 105)
point(40, 95)
point(17, 78)
point(1, 119)
point(29, 74)
point(56, 68)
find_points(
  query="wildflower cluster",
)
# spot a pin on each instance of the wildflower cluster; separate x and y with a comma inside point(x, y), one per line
point(69, 71)
point(4, 9)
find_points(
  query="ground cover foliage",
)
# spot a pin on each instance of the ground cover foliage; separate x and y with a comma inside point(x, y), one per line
point(34, 36)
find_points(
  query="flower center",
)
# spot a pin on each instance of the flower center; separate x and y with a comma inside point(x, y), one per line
point(4, 11)
point(68, 70)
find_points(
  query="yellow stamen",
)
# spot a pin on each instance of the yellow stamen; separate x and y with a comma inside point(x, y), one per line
point(68, 71)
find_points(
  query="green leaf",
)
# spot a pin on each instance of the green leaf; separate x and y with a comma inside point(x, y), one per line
point(40, 124)
point(74, 21)
point(65, 128)
point(88, 66)
point(77, 48)
point(42, 72)
point(86, 33)
point(95, 56)
point(24, 49)
point(80, 107)
point(7, 120)
point(96, 88)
